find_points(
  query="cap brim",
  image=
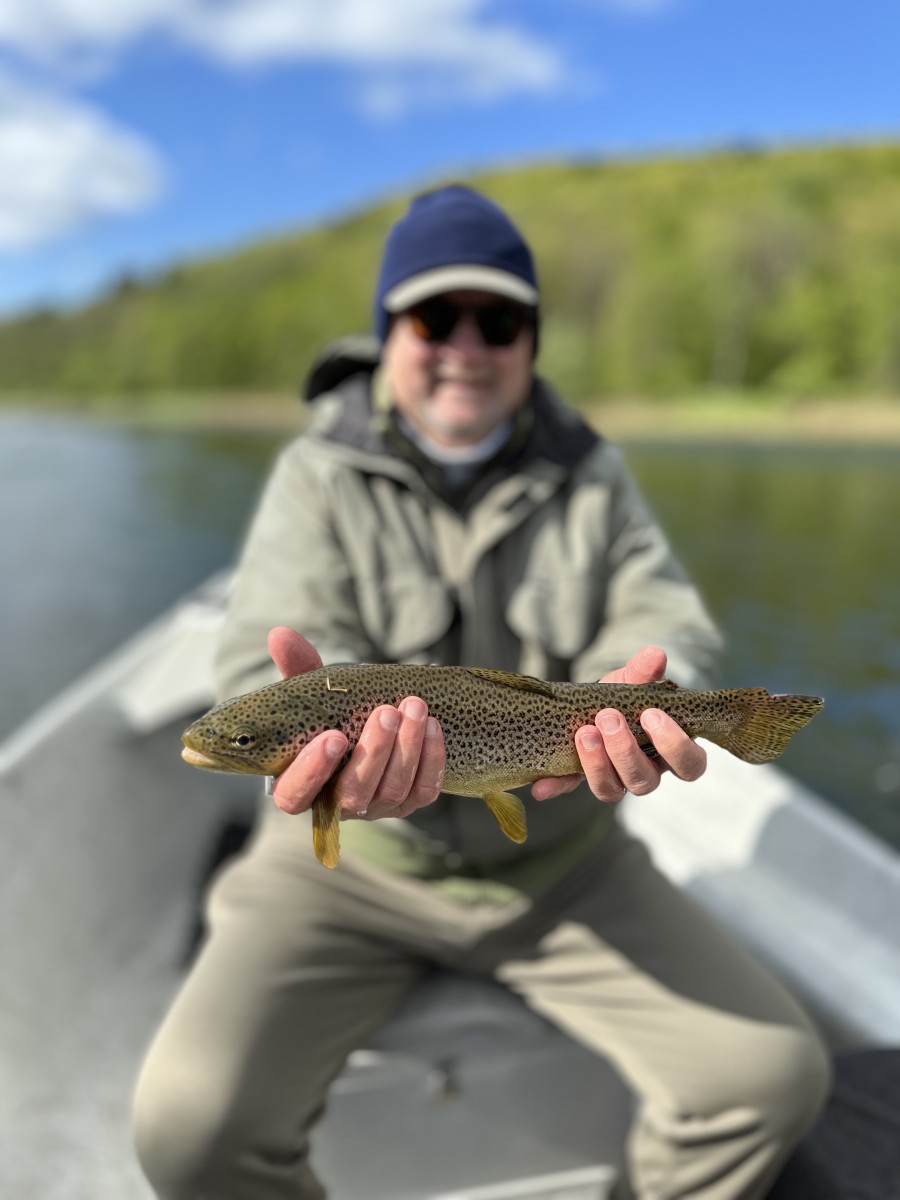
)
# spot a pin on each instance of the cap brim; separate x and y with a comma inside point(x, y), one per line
point(458, 278)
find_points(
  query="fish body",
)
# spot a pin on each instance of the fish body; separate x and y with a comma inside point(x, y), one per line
point(501, 730)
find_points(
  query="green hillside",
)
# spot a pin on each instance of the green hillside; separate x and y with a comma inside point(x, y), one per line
point(775, 271)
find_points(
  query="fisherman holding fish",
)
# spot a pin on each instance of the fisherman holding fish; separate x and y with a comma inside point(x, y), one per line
point(444, 506)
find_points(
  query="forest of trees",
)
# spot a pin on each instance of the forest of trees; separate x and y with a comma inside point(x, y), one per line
point(775, 271)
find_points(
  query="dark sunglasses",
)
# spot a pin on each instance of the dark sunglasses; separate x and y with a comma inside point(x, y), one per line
point(499, 324)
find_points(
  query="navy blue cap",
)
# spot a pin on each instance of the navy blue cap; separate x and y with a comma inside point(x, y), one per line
point(452, 239)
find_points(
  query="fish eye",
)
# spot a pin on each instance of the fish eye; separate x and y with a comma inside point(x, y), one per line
point(243, 738)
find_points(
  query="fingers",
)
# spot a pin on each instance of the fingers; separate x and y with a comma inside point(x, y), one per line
point(614, 763)
point(429, 776)
point(546, 789)
point(394, 786)
point(297, 786)
point(291, 652)
point(611, 758)
point(683, 757)
point(396, 767)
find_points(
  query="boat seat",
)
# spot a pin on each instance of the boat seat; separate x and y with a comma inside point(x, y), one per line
point(497, 1097)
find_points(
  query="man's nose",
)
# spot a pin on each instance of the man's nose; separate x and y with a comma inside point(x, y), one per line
point(466, 336)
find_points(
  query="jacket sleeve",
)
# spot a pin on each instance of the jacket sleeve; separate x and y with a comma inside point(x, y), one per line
point(291, 571)
point(648, 597)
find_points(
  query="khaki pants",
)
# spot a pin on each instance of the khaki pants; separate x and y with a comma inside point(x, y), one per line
point(301, 964)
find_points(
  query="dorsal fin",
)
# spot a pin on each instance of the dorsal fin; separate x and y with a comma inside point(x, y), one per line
point(524, 683)
point(668, 683)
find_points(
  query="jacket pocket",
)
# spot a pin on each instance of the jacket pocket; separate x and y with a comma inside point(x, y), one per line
point(406, 614)
point(562, 615)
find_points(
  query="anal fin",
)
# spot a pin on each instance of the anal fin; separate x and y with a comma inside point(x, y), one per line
point(509, 813)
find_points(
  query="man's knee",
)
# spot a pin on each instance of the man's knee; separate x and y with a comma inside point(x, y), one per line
point(773, 1079)
point(778, 1078)
point(185, 1132)
point(798, 1086)
point(737, 1121)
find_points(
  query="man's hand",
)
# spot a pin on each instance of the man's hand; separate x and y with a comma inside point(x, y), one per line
point(611, 759)
point(396, 767)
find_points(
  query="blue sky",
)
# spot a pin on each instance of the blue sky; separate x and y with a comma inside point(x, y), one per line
point(134, 133)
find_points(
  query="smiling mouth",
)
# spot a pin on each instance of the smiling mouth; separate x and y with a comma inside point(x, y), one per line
point(467, 380)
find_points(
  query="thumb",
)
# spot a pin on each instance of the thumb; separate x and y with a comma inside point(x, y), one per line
point(291, 652)
point(646, 666)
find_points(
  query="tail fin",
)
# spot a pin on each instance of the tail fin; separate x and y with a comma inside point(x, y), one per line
point(767, 725)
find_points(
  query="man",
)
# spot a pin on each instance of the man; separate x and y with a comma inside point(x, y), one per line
point(445, 506)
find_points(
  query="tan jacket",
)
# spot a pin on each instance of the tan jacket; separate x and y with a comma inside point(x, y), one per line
point(551, 565)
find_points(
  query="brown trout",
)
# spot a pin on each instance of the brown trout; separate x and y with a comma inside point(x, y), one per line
point(501, 730)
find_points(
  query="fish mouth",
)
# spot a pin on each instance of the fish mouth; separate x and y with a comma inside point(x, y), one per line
point(229, 764)
point(197, 759)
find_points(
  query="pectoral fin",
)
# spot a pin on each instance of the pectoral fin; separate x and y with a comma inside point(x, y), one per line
point(326, 822)
point(509, 813)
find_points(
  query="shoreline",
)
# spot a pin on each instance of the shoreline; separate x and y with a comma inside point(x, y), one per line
point(858, 422)
point(855, 422)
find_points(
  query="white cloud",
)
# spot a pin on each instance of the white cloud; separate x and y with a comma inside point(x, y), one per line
point(483, 58)
point(422, 33)
point(63, 165)
point(45, 31)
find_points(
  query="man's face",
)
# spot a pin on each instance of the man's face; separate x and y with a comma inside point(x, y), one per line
point(456, 387)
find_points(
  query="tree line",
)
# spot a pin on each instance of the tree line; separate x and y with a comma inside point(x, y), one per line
point(773, 271)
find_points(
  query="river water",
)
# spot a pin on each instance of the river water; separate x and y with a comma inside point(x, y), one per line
point(795, 549)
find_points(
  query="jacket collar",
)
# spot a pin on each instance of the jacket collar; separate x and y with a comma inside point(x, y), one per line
point(343, 389)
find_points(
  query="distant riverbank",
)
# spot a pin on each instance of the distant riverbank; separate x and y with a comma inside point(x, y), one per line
point(861, 422)
point(730, 418)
